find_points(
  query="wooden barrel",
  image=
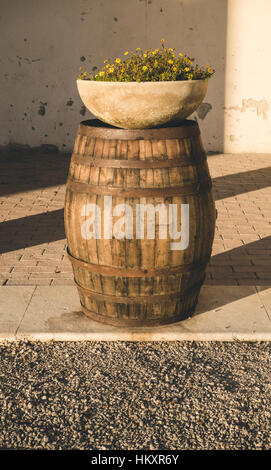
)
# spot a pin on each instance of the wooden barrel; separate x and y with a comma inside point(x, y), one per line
point(130, 194)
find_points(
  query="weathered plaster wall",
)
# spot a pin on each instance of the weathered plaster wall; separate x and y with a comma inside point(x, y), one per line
point(248, 70)
point(45, 42)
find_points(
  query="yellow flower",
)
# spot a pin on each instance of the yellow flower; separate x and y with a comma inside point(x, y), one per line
point(162, 40)
point(148, 64)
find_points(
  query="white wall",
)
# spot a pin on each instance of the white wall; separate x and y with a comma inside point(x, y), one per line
point(248, 72)
point(44, 42)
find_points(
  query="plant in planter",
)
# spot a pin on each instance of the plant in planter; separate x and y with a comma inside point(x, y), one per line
point(147, 89)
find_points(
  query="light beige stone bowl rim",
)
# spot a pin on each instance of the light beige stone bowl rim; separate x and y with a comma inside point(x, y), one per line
point(139, 83)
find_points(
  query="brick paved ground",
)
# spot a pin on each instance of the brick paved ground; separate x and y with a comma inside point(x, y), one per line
point(32, 239)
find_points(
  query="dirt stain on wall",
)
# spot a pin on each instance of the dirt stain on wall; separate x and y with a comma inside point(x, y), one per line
point(42, 110)
point(83, 110)
point(261, 106)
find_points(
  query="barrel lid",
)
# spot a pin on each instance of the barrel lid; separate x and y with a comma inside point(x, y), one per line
point(98, 129)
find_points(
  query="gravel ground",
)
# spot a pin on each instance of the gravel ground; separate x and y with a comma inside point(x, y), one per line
point(135, 395)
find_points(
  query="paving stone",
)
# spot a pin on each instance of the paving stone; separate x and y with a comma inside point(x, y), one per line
point(13, 304)
point(224, 313)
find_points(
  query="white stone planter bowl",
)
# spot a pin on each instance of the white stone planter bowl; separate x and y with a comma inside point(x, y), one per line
point(133, 105)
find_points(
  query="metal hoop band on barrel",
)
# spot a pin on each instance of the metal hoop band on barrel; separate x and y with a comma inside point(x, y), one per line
point(149, 299)
point(144, 322)
point(135, 272)
point(182, 161)
point(187, 190)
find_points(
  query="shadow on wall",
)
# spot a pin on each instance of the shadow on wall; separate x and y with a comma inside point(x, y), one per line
point(40, 100)
point(199, 29)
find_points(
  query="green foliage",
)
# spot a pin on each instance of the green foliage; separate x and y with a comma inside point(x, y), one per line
point(157, 65)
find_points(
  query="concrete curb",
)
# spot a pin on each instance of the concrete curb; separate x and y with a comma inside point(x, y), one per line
point(224, 313)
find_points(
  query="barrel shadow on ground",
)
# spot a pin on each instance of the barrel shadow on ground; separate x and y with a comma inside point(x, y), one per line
point(241, 183)
point(26, 171)
point(32, 230)
point(220, 296)
point(242, 256)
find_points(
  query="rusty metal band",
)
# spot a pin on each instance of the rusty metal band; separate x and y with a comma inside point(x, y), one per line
point(187, 190)
point(193, 291)
point(181, 161)
point(97, 129)
point(150, 299)
point(144, 299)
point(133, 322)
point(135, 272)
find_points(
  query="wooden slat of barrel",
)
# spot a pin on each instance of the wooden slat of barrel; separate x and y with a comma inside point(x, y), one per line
point(139, 281)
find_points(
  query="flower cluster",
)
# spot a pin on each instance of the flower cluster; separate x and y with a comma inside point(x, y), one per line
point(156, 65)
